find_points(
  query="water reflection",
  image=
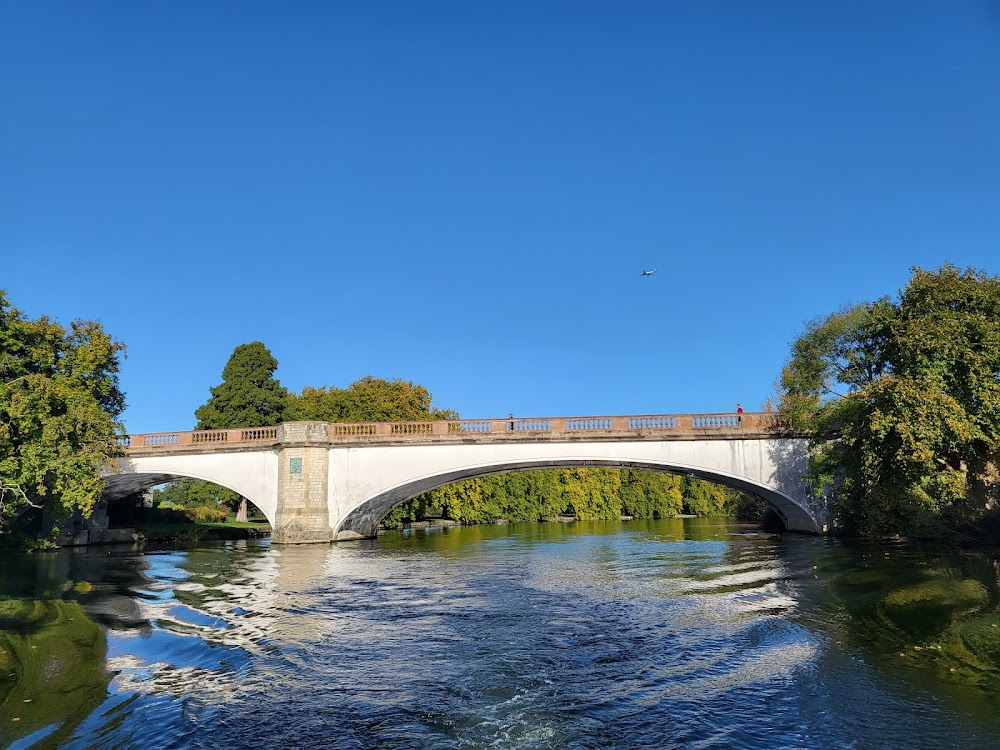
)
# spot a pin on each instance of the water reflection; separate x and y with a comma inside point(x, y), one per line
point(927, 611)
point(658, 634)
point(51, 653)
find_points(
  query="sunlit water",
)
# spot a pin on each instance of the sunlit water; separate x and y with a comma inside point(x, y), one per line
point(665, 634)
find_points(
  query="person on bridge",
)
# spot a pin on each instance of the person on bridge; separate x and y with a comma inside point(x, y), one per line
point(510, 425)
point(739, 414)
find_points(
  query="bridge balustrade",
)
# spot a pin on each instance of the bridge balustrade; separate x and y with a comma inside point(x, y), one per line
point(530, 425)
point(476, 429)
point(590, 424)
point(652, 423)
point(352, 430)
point(210, 436)
point(410, 428)
point(470, 426)
point(704, 423)
point(259, 433)
point(172, 439)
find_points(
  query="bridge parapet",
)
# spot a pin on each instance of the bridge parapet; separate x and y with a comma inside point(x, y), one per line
point(651, 426)
point(195, 438)
point(660, 425)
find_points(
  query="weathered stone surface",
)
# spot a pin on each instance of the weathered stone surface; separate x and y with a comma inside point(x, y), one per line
point(303, 512)
point(297, 531)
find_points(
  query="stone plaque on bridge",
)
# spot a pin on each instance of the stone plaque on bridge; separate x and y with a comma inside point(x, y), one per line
point(295, 466)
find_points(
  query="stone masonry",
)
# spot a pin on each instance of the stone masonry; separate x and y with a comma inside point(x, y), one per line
point(303, 513)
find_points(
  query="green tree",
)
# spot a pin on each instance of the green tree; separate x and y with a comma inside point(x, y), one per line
point(540, 494)
point(911, 391)
point(249, 396)
point(369, 399)
point(835, 356)
point(59, 401)
point(703, 498)
point(194, 493)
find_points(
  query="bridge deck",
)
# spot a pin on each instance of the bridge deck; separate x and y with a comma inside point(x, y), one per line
point(561, 429)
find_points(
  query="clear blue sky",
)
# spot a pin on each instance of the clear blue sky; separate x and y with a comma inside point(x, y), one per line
point(463, 194)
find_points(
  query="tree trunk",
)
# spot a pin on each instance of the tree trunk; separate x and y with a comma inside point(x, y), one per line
point(241, 514)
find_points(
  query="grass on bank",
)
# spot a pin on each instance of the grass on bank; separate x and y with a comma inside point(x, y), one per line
point(186, 523)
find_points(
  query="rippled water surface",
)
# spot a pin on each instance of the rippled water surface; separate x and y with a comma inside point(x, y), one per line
point(665, 634)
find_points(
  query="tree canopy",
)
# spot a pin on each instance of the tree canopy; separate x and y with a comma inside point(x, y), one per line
point(59, 401)
point(249, 395)
point(369, 399)
point(585, 493)
point(911, 390)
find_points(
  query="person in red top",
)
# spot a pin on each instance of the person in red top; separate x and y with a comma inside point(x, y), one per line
point(739, 414)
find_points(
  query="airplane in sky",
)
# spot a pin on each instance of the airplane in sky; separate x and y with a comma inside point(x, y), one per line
point(648, 273)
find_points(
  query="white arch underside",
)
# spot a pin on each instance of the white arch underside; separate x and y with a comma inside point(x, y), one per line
point(252, 475)
point(119, 486)
point(365, 517)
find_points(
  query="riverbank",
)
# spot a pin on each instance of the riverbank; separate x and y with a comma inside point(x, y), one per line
point(432, 523)
point(173, 532)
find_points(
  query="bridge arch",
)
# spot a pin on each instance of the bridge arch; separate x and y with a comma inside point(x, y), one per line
point(252, 475)
point(119, 486)
point(363, 520)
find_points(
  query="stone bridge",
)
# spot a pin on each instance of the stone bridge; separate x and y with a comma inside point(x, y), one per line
point(320, 482)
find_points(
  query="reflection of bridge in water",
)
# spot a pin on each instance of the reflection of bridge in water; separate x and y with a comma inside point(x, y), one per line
point(317, 482)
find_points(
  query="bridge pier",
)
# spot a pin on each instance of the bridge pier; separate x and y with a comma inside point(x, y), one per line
point(303, 514)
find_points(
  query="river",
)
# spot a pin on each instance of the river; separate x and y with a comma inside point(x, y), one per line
point(691, 633)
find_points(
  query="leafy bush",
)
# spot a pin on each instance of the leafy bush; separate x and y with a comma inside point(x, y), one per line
point(202, 514)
